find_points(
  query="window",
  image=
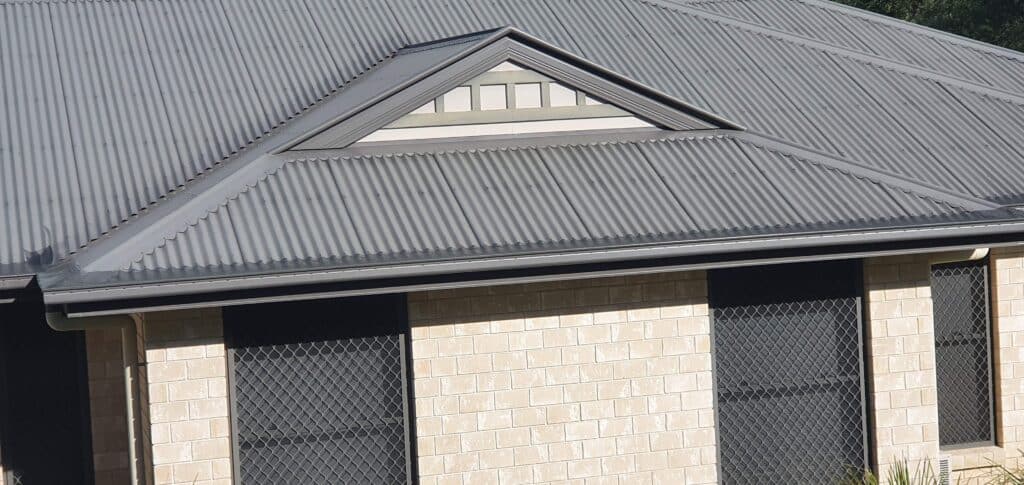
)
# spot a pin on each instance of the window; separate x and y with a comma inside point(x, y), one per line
point(508, 93)
point(458, 100)
point(319, 391)
point(963, 353)
point(789, 372)
point(493, 97)
point(528, 95)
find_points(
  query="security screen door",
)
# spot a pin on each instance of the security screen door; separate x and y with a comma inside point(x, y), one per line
point(789, 372)
point(319, 391)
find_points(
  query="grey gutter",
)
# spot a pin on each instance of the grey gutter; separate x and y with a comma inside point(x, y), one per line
point(57, 296)
point(316, 295)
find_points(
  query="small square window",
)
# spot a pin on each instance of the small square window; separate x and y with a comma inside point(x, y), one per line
point(493, 97)
point(458, 100)
point(528, 95)
point(561, 95)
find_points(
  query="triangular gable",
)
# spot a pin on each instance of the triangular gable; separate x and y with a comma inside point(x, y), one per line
point(511, 83)
point(507, 99)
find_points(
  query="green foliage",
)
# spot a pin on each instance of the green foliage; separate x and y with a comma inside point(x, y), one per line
point(898, 473)
point(999, 22)
point(1005, 476)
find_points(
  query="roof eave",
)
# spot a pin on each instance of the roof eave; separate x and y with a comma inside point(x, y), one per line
point(564, 265)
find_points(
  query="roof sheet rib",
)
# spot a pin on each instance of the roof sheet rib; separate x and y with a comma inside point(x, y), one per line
point(111, 106)
point(421, 206)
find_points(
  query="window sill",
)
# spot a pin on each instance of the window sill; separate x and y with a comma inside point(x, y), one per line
point(970, 449)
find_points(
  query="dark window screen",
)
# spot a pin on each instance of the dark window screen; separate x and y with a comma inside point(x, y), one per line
point(319, 391)
point(788, 367)
point(963, 366)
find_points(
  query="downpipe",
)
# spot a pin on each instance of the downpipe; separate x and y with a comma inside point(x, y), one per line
point(129, 353)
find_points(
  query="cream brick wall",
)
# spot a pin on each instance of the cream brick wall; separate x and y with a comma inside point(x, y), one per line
point(107, 406)
point(1007, 285)
point(186, 371)
point(597, 381)
point(901, 355)
point(903, 363)
point(1008, 315)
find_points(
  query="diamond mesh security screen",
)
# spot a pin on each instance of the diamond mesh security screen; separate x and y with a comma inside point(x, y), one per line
point(963, 365)
point(788, 367)
point(319, 393)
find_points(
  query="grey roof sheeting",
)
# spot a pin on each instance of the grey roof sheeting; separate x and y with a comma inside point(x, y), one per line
point(881, 36)
point(406, 81)
point(110, 106)
point(353, 209)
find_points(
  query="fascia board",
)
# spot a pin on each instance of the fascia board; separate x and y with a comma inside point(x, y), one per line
point(54, 295)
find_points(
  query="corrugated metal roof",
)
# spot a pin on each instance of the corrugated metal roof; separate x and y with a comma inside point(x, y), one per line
point(861, 31)
point(109, 106)
point(384, 85)
point(362, 209)
point(901, 122)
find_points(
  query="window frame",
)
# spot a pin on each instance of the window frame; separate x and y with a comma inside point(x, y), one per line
point(757, 294)
point(985, 265)
point(401, 329)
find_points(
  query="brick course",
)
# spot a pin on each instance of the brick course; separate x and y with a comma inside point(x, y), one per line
point(902, 350)
point(107, 406)
point(601, 381)
point(594, 381)
point(901, 355)
point(1007, 309)
point(186, 372)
